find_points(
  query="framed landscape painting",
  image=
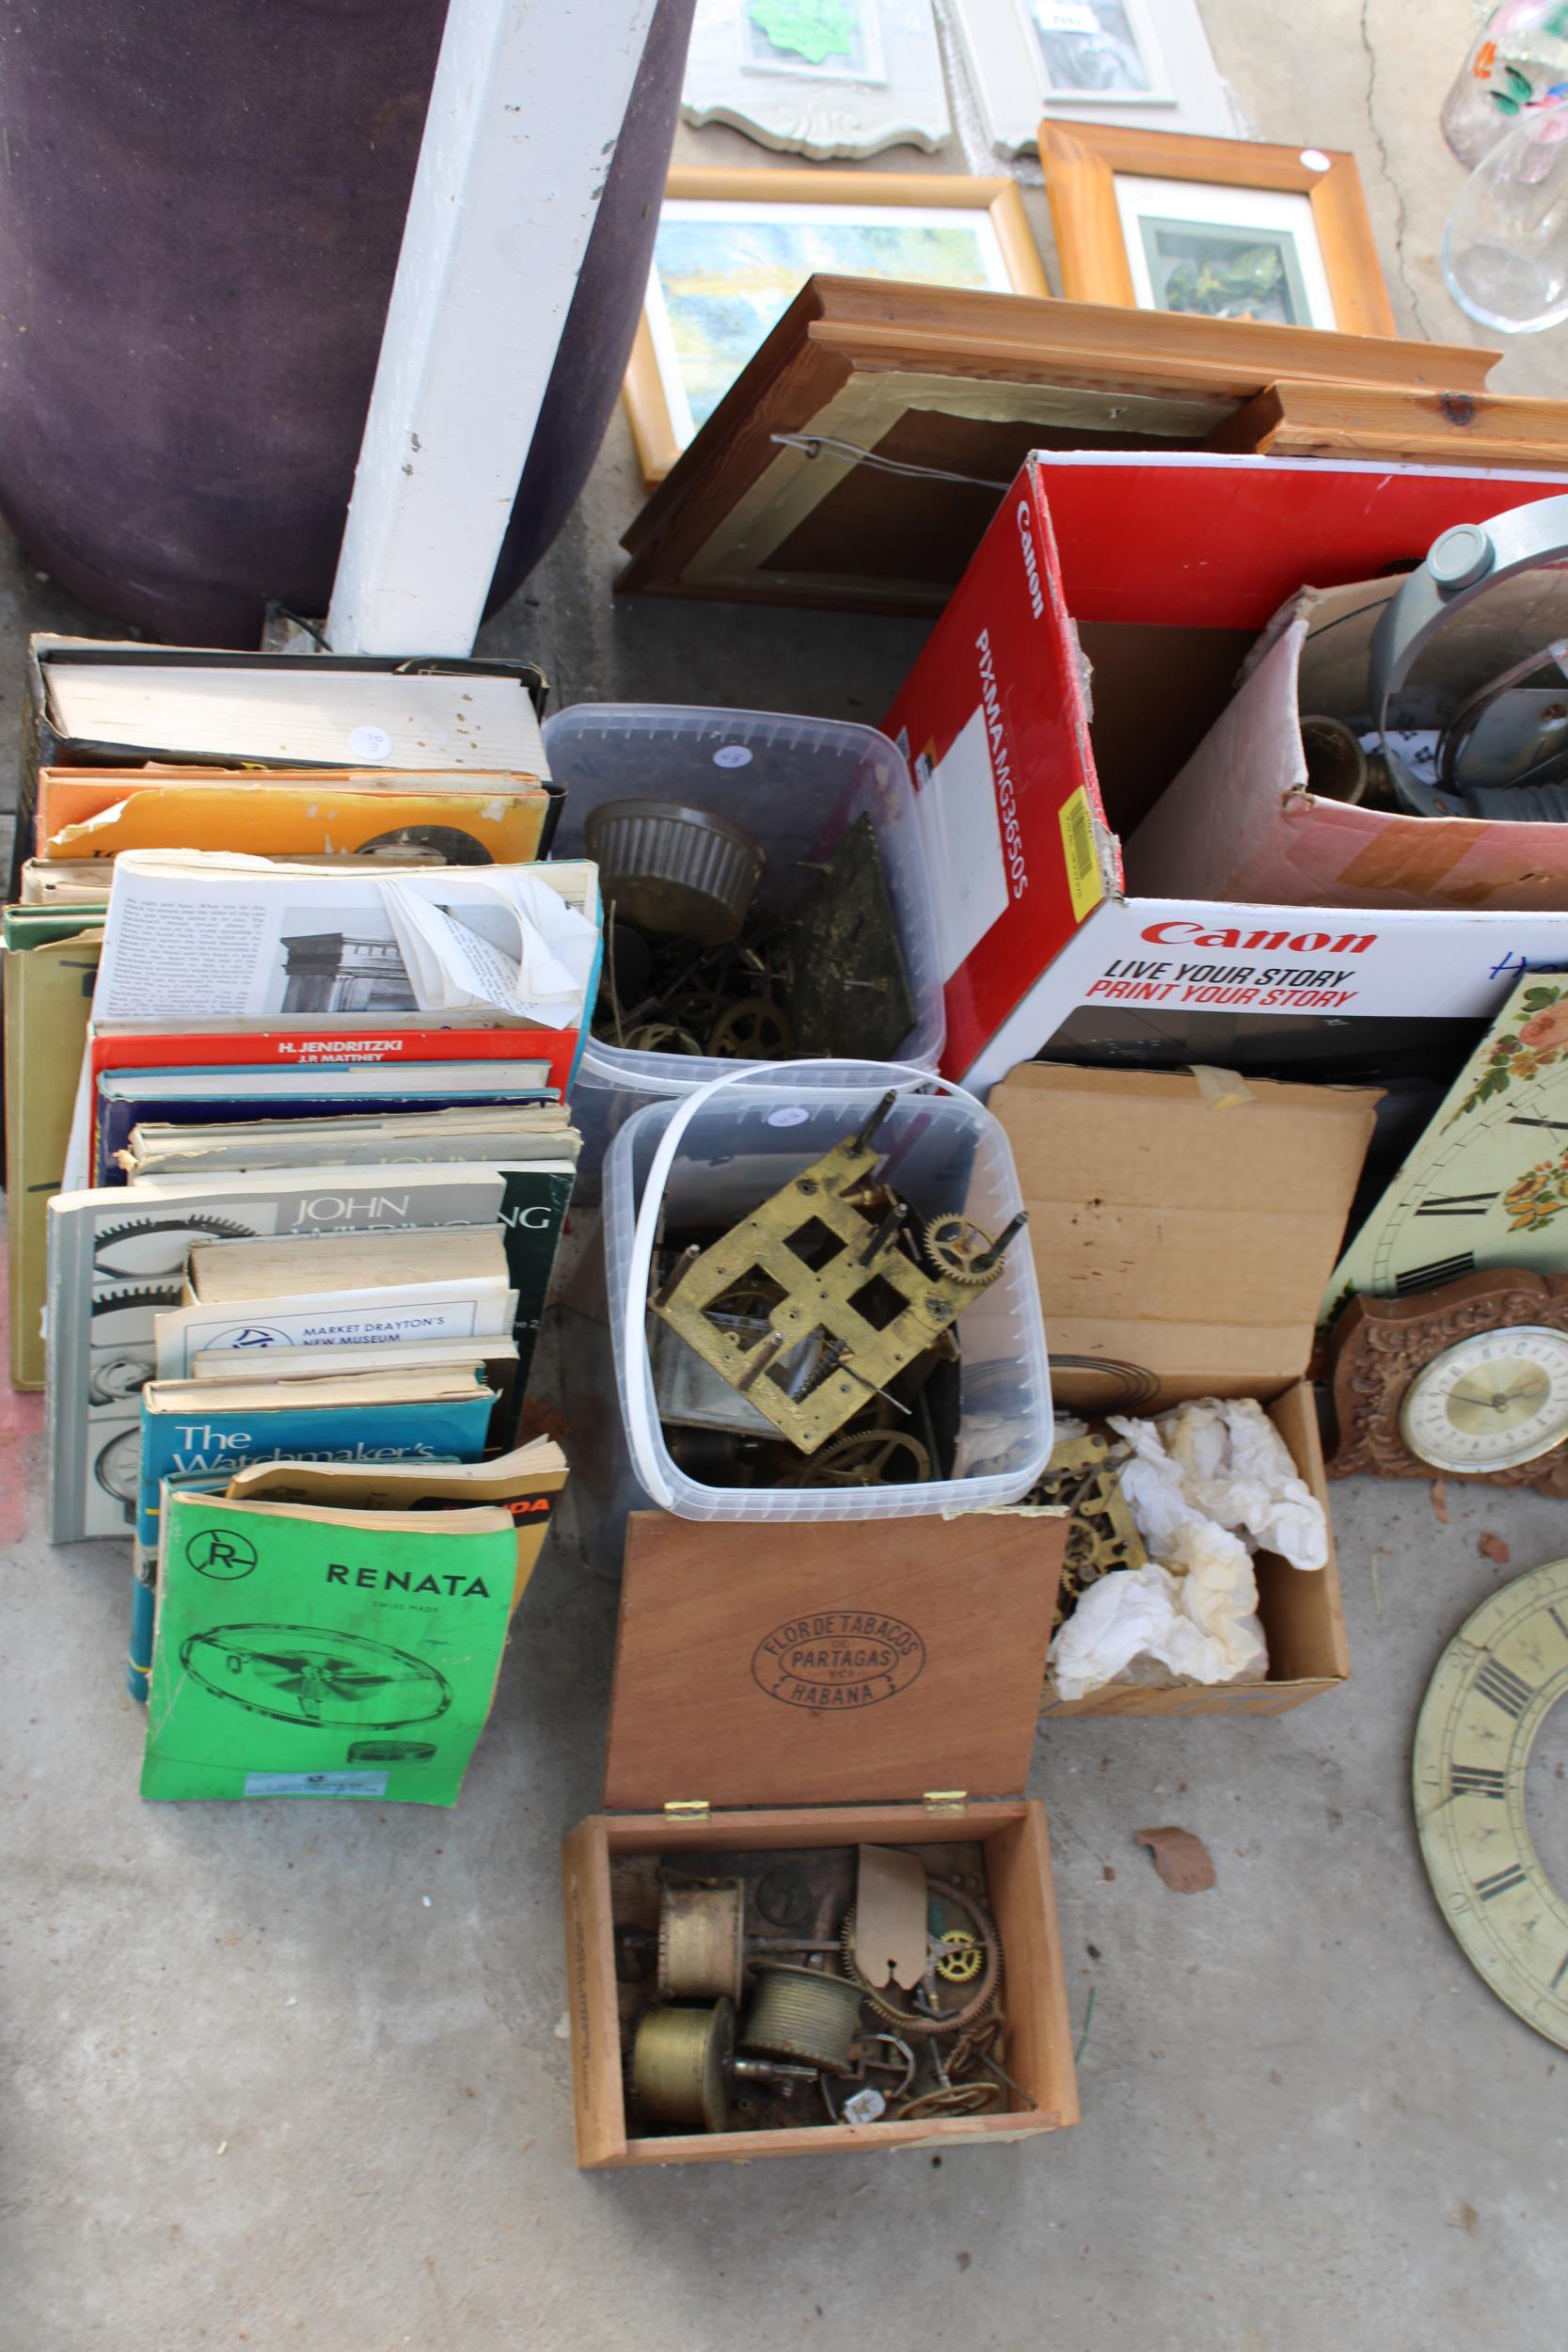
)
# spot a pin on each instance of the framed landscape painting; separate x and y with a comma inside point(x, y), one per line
point(734, 248)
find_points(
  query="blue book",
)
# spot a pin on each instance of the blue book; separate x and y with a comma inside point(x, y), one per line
point(199, 1430)
point(134, 1098)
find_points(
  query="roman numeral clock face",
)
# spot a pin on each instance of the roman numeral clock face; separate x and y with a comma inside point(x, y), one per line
point(1494, 1685)
point(1487, 1185)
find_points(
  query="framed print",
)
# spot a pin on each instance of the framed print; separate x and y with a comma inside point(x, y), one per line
point(1126, 62)
point(1097, 49)
point(820, 77)
point(1213, 228)
point(734, 248)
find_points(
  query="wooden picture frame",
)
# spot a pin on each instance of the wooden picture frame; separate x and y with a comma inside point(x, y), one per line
point(1308, 216)
point(1005, 244)
point(771, 505)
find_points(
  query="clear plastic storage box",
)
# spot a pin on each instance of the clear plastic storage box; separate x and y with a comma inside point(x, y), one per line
point(942, 1150)
point(798, 784)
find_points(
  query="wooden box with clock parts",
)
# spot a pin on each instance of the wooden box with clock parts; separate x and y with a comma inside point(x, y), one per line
point(1181, 1222)
point(825, 1924)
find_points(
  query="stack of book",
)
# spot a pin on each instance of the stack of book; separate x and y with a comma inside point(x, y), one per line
point(336, 1629)
point(292, 1006)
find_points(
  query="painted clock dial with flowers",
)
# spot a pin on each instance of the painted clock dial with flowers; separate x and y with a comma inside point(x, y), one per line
point(1487, 1185)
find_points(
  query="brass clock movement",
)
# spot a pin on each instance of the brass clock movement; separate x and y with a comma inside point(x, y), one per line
point(1494, 1685)
point(1466, 1381)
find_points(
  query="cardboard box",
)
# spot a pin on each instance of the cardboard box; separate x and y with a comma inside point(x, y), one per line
point(700, 1716)
point(1183, 1226)
point(1091, 645)
point(1240, 816)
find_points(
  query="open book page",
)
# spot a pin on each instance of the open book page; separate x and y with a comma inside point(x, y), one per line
point(201, 935)
point(513, 943)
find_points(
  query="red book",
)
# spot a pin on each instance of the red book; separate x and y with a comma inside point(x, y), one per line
point(245, 1049)
point(325, 1050)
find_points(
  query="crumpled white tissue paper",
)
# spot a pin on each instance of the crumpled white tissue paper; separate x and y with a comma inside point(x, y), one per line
point(1222, 1460)
point(1200, 1479)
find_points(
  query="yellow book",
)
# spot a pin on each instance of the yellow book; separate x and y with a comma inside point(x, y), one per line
point(48, 997)
point(501, 826)
point(526, 1482)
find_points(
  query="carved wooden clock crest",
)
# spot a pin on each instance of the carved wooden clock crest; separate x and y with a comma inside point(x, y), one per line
point(1469, 1381)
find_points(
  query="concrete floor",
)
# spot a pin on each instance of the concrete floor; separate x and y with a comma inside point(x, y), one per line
point(295, 2077)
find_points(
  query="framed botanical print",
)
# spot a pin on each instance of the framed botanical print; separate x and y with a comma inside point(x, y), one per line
point(735, 247)
point(1213, 228)
point(1118, 61)
point(820, 77)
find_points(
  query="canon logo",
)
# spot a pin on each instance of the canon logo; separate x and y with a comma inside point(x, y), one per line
point(1031, 564)
point(1298, 943)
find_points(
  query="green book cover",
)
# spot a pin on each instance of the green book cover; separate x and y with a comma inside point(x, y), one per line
point(305, 1653)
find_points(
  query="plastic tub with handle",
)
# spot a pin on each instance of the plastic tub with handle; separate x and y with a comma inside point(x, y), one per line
point(797, 786)
point(719, 1152)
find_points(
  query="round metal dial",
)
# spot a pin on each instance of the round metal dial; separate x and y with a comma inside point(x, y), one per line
point(1491, 1401)
point(1494, 1685)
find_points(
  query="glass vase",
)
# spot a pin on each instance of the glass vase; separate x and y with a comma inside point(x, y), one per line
point(1505, 247)
point(1520, 52)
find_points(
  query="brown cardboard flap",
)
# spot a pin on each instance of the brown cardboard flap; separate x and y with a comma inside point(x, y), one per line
point(781, 1663)
point(1302, 1608)
point(1178, 1235)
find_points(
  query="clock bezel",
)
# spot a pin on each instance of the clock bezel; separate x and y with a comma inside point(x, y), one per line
point(1532, 1448)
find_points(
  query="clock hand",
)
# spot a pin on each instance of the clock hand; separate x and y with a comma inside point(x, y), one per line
point(1533, 1384)
point(1495, 1402)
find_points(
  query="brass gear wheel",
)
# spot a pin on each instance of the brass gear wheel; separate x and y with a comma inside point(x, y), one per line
point(753, 1030)
point(953, 1243)
point(862, 1459)
point(964, 1957)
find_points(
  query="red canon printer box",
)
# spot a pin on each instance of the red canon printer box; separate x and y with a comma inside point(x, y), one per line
point(1090, 645)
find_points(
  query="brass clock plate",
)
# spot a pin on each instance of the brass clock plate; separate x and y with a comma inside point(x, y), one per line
point(1469, 1381)
point(839, 1308)
point(1494, 1685)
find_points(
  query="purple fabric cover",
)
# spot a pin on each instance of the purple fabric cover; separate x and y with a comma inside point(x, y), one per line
point(202, 203)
